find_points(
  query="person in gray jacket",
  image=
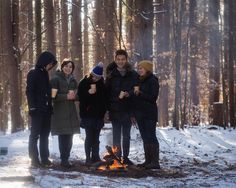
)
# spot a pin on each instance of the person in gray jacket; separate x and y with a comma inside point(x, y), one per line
point(65, 121)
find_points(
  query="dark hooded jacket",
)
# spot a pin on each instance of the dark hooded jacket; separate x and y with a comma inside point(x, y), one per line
point(92, 106)
point(115, 83)
point(38, 90)
point(145, 103)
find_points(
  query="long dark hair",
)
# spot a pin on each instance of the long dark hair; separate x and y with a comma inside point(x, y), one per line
point(66, 62)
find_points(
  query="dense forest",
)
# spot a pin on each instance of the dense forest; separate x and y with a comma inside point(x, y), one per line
point(191, 42)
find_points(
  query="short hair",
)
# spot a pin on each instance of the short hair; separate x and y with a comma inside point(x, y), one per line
point(67, 61)
point(121, 52)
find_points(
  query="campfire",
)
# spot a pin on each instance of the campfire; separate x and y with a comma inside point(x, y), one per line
point(111, 160)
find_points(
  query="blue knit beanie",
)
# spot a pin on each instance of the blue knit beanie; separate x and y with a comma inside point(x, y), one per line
point(98, 70)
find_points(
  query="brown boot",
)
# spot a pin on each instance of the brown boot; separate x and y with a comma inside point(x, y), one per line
point(147, 156)
point(154, 153)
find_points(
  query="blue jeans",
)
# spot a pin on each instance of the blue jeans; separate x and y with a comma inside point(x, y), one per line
point(40, 130)
point(147, 130)
point(121, 127)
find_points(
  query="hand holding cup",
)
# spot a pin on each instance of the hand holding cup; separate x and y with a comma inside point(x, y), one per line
point(92, 89)
point(136, 90)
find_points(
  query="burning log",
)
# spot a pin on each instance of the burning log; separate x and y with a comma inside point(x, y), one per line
point(112, 155)
point(112, 161)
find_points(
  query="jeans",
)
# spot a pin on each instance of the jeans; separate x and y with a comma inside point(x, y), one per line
point(40, 129)
point(121, 127)
point(65, 145)
point(147, 130)
point(93, 128)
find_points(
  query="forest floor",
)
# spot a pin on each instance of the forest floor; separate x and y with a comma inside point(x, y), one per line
point(193, 157)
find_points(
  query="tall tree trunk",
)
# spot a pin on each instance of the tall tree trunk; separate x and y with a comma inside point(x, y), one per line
point(129, 27)
point(232, 62)
point(214, 51)
point(193, 61)
point(163, 42)
point(64, 29)
point(30, 34)
point(3, 72)
point(143, 27)
point(178, 38)
point(110, 30)
point(49, 24)
point(86, 39)
point(105, 30)
point(11, 46)
point(99, 16)
point(38, 27)
point(225, 62)
point(76, 38)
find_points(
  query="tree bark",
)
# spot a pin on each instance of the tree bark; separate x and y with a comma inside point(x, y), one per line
point(38, 27)
point(86, 39)
point(232, 62)
point(76, 39)
point(214, 51)
point(64, 30)
point(49, 24)
point(193, 61)
point(143, 27)
point(163, 60)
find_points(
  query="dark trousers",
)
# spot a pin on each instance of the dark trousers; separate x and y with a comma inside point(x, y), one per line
point(147, 130)
point(40, 129)
point(122, 127)
point(93, 128)
point(65, 144)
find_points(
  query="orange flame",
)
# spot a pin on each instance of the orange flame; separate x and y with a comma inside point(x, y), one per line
point(115, 165)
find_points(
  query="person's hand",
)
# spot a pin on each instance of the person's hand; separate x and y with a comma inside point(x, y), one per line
point(137, 92)
point(126, 94)
point(71, 96)
point(92, 91)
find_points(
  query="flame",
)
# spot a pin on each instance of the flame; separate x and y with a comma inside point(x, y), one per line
point(115, 165)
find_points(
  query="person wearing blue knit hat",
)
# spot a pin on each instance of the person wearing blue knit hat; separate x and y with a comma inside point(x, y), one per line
point(92, 97)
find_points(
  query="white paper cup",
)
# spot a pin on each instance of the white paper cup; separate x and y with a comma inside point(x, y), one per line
point(54, 92)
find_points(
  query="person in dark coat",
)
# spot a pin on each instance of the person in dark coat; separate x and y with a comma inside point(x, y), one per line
point(146, 113)
point(65, 121)
point(38, 93)
point(120, 82)
point(92, 97)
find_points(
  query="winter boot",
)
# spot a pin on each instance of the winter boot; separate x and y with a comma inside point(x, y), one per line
point(35, 163)
point(147, 156)
point(154, 153)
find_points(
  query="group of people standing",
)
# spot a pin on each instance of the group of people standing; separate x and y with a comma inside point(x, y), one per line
point(128, 96)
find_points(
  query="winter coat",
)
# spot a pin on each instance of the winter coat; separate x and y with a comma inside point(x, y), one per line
point(145, 102)
point(38, 90)
point(64, 119)
point(92, 105)
point(115, 83)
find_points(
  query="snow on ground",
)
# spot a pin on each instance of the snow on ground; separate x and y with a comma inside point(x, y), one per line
point(208, 157)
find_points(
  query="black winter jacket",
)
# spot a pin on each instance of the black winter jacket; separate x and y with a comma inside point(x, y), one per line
point(115, 83)
point(38, 90)
point(92, 105)
point(145, 102)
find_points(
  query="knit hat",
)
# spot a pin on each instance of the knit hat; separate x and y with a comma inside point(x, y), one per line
point(98, 70)
point(146, 64)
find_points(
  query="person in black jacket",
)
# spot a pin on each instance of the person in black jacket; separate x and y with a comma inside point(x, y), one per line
point(146, 113)
point(38, 93)
point(120, 82)
point(92, 97)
